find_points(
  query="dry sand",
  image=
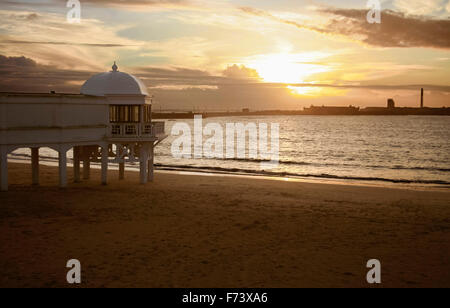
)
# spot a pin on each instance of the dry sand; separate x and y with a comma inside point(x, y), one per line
point(213, 231)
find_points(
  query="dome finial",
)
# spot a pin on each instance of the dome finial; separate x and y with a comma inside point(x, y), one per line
point(115, 67)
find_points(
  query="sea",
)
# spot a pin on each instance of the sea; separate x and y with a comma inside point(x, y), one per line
point(378, 149)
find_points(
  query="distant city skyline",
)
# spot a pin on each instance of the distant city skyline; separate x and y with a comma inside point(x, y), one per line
point(219, 55)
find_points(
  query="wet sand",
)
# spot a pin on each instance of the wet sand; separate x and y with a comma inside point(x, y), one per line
point(216, 231)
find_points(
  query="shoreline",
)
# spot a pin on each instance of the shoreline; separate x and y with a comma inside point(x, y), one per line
point(216, 231)
point(255, 175)
point(371, 112)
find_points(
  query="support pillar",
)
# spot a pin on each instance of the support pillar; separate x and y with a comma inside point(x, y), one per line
point(86, 164)
point(86, 169)
point(4, 169)
point(120, 155)
point(104, 165)
point(62, 168)
point(151, 164)
point(35, 165)
point(143, 163)
point(121, 171)
point(76, 165)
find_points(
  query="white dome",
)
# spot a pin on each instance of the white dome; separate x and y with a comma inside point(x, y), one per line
point(114, 83)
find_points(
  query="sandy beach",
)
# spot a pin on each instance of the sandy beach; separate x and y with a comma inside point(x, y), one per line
point(215, 231)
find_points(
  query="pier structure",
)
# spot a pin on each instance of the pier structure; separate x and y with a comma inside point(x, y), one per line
point(110, 121)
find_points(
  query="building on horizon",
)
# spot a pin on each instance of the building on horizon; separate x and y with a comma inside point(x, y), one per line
point(331, 110)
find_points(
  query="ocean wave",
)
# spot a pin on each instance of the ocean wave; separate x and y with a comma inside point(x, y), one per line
point(303, 163)
point(289, 174)
point(234, 170)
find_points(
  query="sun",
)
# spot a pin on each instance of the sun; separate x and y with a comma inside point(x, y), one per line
point(316, 91)
point(287, 68)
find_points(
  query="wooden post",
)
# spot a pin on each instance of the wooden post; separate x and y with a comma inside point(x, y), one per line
point(143, 163)
point(421, 98)
point(121, 171)
point(4, 169)
point(76, 165)
point(104, 165)
point(86, 164)
point(120, 155)
point(62, 168)
point(86, 169)
point(151, 164)
point(35, 165)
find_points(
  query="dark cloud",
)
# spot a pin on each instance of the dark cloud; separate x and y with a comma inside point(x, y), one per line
point(182, 76)
point(177, 76)
point(62, 43)
point(21, 74)
point(32, 16)
point(396, 29)
point(16, 62)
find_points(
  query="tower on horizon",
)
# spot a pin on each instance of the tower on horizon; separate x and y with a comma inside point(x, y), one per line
point(391, 103)
point(421, 98)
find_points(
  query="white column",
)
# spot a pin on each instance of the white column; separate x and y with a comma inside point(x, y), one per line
point(35, 165)
point(151, 164)
point(4, 169)
point(76, 164)
point(104, 165)
point(143, 163)
point(62, 168)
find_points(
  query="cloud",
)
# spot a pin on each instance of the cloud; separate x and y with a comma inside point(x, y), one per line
point(25, 74)
point(176, 76)
point(420, 7)
point(396, 29)
point(265, 14)
point(22, 74)
point(129, 5)
point(138, 2)
point(50, 40)
point(146, 4)
point(241, 72)
point(104, 2)
point(16, 62)
point(62, 43)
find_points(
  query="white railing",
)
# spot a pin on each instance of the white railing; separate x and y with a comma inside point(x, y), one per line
point(159, 128)
point(126, 130)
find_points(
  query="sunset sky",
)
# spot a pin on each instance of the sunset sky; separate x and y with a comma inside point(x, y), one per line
point(219, 54)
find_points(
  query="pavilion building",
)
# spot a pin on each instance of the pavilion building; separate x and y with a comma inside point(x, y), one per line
point(109, 122)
